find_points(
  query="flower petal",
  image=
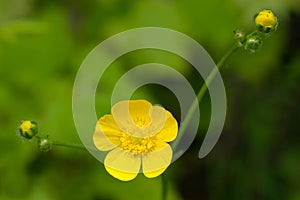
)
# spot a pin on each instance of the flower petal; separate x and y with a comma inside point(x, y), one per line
point(155, 173)
point(107, 134)
point(169, 131)
point(125, 112)
point(155, 163)
point(122, 165)
point(139, 118)
point(123, 176)
point(158, 119)
point(140, 109)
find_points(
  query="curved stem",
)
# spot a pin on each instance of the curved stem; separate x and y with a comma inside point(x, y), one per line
point(200, 96)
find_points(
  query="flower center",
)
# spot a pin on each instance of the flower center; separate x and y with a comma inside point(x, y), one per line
point(137, 145)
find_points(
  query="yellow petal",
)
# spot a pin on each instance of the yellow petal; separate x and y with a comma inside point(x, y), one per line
point(126, 112)
point(107, 134)
point(155, 173)
point(158, 119)
point(169, 132)
point(120, 113)
point(155, 163)
point(122, 165)
point(123, 176)
point(139, 118)
point(140, 109)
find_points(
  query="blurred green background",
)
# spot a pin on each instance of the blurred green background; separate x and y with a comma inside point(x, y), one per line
point(42, 44)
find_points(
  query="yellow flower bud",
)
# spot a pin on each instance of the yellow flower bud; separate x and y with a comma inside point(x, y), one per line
point(266, 21)
point(28, 129)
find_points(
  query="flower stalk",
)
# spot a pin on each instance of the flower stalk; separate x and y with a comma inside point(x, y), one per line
point(200, 96)
point(265, 22)
point(164, 186)
point(69, 145)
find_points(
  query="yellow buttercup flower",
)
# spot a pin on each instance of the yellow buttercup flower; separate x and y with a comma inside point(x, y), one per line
point(266, 21)
point(136, 134)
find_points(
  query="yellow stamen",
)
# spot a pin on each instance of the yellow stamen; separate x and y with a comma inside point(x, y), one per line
point(137, 145)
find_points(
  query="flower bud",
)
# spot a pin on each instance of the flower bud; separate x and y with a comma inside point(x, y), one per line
point(253, 43)
point(266, 21)
point(28, 129)
point(239, 37)
point(44, 144)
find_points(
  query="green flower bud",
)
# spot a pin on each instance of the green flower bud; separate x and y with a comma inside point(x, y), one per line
point(44, 144)
point(253, 43)
point(239, 37)
point(28, 129)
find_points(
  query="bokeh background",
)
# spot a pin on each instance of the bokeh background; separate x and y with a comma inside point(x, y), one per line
point(42, 44)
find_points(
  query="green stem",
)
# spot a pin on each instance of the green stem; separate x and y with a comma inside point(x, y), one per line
point(164, 186)
point(69, 145)
point(200, 96)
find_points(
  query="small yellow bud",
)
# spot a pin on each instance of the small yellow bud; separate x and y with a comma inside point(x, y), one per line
point(266, 21)
point(28, 129)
